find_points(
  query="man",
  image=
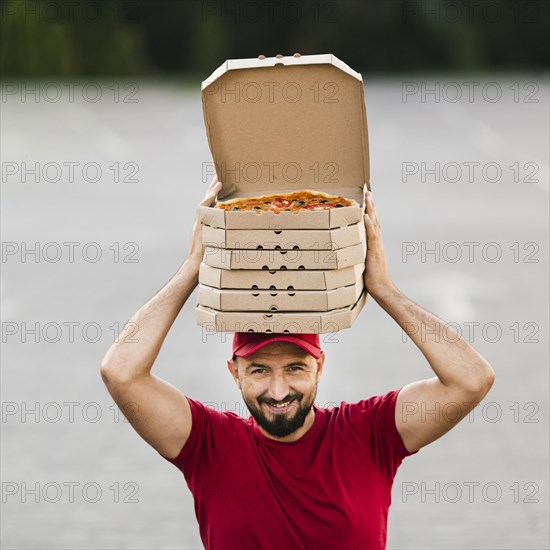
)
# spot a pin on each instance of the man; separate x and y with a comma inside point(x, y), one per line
point(293, 475)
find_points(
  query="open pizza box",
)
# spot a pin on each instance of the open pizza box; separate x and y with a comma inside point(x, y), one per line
point(212, 320)
point(282, 124)
point(286, 272)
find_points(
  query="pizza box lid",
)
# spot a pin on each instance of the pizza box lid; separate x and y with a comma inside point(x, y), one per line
point(284, 123)
point(313, 322)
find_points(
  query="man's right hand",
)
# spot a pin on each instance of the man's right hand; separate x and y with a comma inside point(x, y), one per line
point(196, 249)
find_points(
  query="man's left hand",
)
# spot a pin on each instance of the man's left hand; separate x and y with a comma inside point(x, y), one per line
point(377, 278)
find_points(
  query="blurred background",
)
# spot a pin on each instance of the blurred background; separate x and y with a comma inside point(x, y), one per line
point(104, 157)
point(171, 38)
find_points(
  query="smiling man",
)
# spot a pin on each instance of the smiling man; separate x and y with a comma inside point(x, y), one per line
point(292, 475)
point(278, 377)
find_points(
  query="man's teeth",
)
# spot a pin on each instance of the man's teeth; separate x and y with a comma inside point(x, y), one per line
point(281, 405)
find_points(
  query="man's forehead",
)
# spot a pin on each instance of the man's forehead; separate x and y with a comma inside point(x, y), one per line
point(277, 350)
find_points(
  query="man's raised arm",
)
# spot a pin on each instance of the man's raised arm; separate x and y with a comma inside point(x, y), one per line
point(427, 409)
point(158, 411)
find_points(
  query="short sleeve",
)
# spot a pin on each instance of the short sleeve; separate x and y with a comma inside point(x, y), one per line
point(200, 425)
point(374, 418)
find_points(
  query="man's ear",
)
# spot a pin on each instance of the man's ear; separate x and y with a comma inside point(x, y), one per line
point(320, 364)
point(234, 370)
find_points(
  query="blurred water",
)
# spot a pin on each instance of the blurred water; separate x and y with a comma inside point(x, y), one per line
point(141, 229)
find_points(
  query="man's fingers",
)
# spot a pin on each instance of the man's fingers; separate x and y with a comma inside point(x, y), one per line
point(370, 207)
point(215, 188)
point(213, 184)
point(370, 227)
point(212, 191)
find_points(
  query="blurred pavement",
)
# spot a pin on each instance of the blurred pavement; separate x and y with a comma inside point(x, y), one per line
point(503, 302)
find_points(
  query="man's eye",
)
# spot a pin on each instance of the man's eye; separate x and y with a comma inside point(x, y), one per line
point(295, 368)
point(258, 371)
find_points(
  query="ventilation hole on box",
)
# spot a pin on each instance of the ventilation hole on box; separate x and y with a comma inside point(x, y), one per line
point(272, 287)
point(265, 267)
point(278, 231)
point(250, 330)
point(259, 247)
point(292, 293)
point(273, 294)
point(255, 294)
point(272, 272)
point(290, 287)
point(295, 247)
point(278, 247)
point(286, 331)
point(283, 268)
point(301, 267)
point(268, 331)
point(283, 251)
point(273, 308)
point(268, 315)
point(254, 287)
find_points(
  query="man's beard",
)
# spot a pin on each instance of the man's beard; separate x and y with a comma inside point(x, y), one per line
point(280, 424)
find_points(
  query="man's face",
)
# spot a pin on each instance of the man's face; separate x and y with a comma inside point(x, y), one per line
point(279, 385)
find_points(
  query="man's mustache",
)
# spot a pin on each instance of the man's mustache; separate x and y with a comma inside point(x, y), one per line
point(286, 400)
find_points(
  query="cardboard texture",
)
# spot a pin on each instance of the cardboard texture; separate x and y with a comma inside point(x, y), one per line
point(284, 259)
point(304, 323)
point(278, 300)
point(283, 124)
point(280, 279)
point(284, 239)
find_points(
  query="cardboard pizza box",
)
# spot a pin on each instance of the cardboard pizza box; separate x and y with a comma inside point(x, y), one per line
point(280, 279)
point(284, 259)
point(284, 239)
point(267, 301)
point(281, 124)
point(321, 322)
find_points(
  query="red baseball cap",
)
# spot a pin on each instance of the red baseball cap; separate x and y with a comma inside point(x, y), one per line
point(247, 343)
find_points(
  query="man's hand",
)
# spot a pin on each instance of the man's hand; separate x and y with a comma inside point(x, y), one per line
point(196, 249)
point(377, 278)
point(129, 357)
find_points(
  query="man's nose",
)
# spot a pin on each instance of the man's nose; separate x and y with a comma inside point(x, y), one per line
point(278, 387)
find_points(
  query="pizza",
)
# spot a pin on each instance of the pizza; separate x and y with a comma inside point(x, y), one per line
point(287, 202)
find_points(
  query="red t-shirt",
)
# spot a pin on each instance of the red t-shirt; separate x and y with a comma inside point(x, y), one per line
point(331, 489)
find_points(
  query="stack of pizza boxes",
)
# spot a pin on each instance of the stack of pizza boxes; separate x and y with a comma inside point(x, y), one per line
point(278, 125)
